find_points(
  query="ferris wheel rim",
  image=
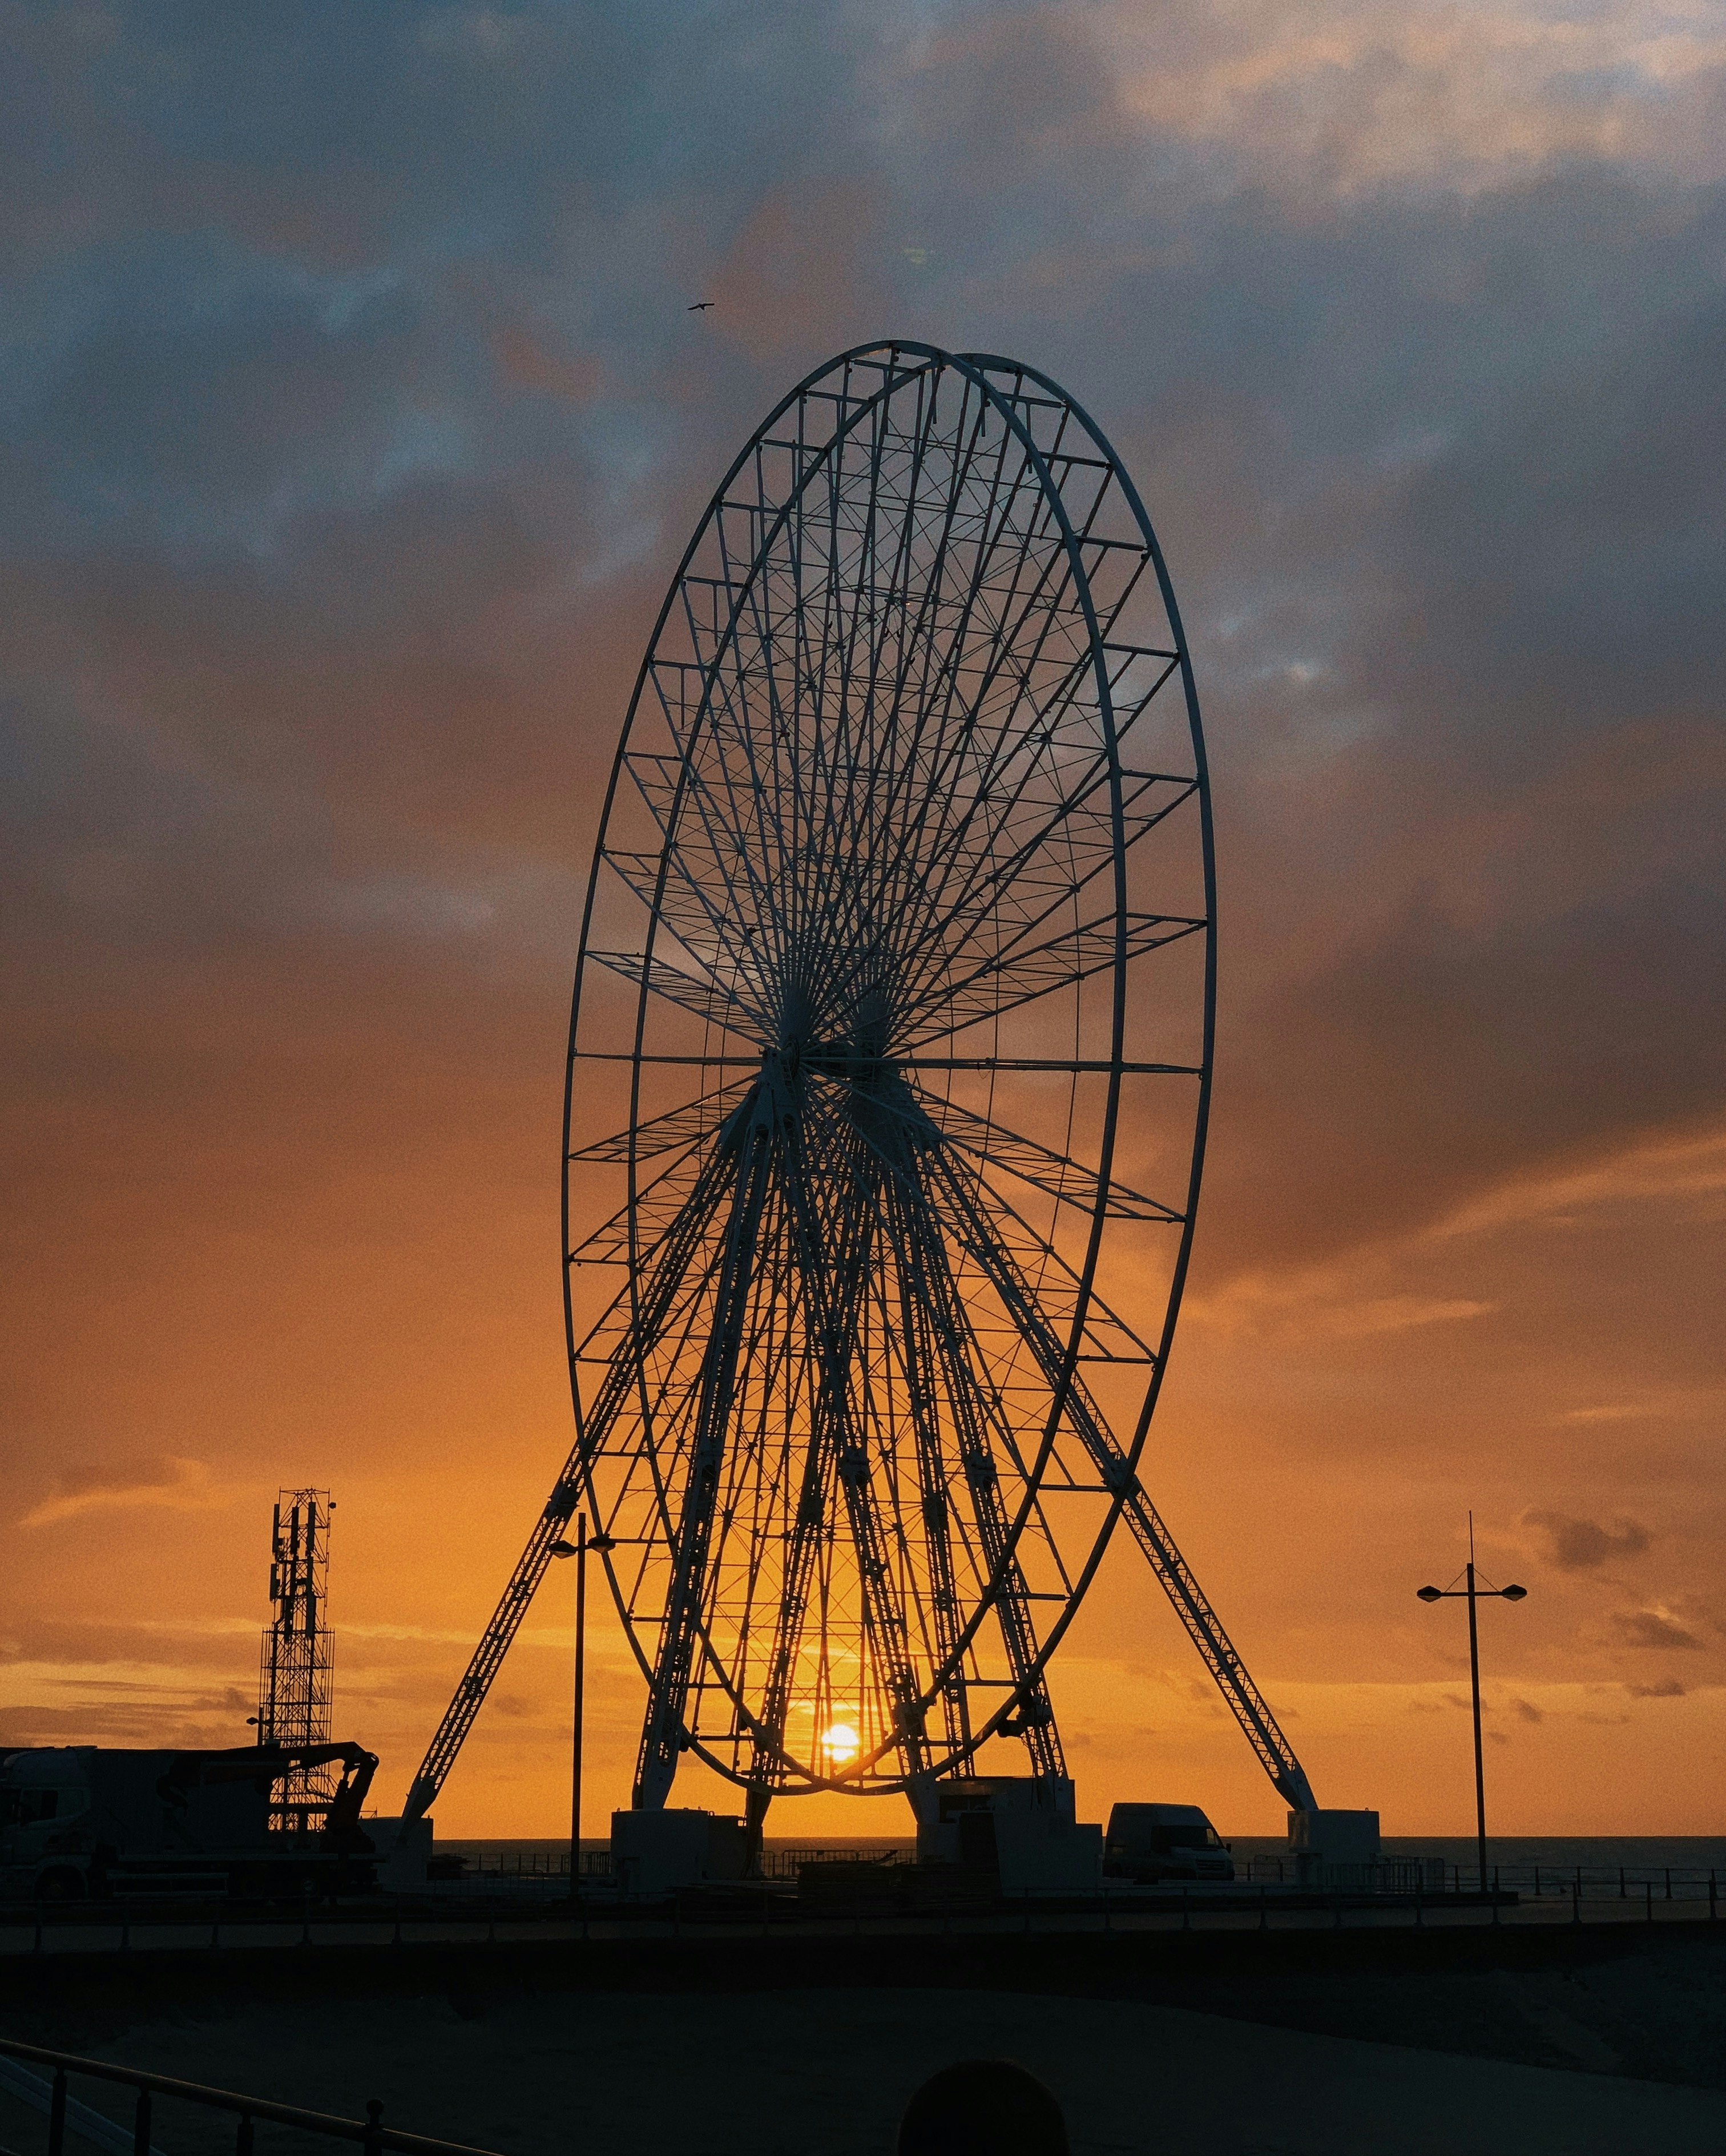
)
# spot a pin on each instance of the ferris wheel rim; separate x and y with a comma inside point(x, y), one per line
point(976, 368)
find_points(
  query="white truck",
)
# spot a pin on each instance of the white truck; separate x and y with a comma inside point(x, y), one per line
point(1151, 1842)
point(86, 1821)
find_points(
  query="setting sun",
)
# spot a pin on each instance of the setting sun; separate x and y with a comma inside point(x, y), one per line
point(839, 1740)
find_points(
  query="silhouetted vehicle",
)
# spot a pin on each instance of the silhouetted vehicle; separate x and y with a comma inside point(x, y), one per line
point(86, 1821)
point(1149, 1842)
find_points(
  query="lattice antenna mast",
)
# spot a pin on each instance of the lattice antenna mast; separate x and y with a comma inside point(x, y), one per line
point(294, 1695)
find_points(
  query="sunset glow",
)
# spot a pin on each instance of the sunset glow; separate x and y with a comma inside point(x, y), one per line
point(839, 1740)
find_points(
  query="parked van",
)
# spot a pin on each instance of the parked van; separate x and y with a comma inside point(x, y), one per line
point(1149, 1842)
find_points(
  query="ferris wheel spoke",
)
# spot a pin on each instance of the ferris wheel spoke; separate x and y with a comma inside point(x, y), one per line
point(958, 778)
point(1024, 972)
point(657, 1276)
point(994, 1144)
point(970, 851)
point(733, 866)
point(699, 776)
point(838, 833)
point(993, 1232)
point(711, 934)
point(952, 731)
point(1057, 1174)
point(655, 1213)
point(705, 999)
point(1017, 627)
point(693, 1119)
point(1117, 658)
point(969, 440)
point(1083, 825)
point(932, 791)
point(755, 821)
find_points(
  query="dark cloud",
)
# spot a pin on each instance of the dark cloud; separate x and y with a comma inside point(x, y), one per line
point(1575, 1545)
point(1667, 1688)
point(1651, 1628)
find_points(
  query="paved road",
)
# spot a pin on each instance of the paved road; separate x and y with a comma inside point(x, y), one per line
point(826, 2073)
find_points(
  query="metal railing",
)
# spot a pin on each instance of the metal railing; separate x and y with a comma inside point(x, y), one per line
point(1436, 1875)
point(63, 2111)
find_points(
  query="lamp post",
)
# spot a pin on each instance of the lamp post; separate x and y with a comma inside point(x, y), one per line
point(1472, 1592)
point(578, 1550)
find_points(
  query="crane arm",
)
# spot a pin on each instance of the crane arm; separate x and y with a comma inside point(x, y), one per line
point(265, 1764)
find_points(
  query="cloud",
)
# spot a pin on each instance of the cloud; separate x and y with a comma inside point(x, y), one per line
point(165, 1484)
point(1666, 1688)
point(1582, 1545)
point(1671, 1172)
point(1651, 1628)
point(1338, 96)
point(1317, 1303)
point(1527, 1711)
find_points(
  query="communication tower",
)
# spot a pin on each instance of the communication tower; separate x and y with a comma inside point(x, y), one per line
point(294, 1682)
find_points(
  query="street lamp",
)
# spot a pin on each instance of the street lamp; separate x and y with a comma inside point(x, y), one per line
point(1473, 1592)
point(578, 1550)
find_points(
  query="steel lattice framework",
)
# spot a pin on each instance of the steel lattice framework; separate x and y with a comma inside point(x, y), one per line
point(294, 1677)
point(897, 981)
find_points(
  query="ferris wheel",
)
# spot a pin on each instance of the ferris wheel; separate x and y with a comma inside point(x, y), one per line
point(890, 1064)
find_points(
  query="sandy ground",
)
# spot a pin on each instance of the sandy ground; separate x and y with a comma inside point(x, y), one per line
point(778, 2073)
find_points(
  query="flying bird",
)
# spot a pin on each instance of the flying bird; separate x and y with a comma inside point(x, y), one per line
point(700, 307)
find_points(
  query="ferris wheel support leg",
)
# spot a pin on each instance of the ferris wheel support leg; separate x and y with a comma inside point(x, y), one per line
point(1248, 1705)
point(663, 1735)
point(754, 1821)
point(1205, 1627)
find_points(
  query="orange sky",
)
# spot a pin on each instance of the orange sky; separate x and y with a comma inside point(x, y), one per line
point(355, 437)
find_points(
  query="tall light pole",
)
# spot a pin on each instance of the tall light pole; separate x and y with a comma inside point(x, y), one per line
point(1473, 1592)
point(578, 1550)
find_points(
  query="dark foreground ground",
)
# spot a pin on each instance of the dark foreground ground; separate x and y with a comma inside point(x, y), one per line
point(1523, 2042)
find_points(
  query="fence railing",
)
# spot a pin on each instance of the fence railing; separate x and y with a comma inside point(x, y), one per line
point(1435, 1875)
point(51, 2095)
point(1564, 1899)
